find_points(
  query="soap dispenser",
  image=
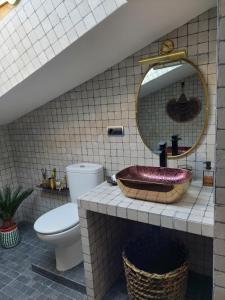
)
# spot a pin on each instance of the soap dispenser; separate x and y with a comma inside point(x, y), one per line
point(208, 174)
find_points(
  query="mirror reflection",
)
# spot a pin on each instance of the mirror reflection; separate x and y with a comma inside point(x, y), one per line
point(171, 107)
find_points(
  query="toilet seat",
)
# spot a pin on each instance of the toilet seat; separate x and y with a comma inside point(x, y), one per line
point(58, 220)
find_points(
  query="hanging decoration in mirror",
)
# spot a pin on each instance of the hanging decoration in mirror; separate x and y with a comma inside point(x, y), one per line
point(183, 109)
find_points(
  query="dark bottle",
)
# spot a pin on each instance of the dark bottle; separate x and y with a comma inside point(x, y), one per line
point(174, 140)
point(162, 151)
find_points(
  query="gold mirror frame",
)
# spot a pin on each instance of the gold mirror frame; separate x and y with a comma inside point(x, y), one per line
point(206, 107)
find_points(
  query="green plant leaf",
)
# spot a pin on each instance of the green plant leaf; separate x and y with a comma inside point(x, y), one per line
point(10, 201)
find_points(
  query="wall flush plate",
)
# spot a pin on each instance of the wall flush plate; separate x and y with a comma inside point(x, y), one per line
point(115, 130)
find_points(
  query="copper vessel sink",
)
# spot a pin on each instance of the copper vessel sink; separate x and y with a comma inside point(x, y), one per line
point(157, 184)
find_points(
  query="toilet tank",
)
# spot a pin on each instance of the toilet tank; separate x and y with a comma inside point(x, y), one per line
point(82, 178)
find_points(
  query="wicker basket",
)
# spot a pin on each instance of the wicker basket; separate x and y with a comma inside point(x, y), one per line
point(167, 278)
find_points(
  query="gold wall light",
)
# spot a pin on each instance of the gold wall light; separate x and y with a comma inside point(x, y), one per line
point(12, 2)
point(167, 54)
point(6, 6)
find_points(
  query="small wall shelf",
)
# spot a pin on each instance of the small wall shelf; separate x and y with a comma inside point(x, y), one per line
point(63, 192)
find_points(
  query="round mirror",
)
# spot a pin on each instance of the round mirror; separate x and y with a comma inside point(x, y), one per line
point(172, 107)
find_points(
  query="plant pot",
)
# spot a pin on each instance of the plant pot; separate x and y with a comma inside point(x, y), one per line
point(9, 236)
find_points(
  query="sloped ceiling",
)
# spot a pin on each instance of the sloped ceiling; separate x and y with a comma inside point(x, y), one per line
point(129, 29)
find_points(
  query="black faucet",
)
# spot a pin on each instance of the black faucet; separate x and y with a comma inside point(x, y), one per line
point(175, 139)
point(162, 154)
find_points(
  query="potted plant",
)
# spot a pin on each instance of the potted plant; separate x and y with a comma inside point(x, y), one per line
point(10, 200)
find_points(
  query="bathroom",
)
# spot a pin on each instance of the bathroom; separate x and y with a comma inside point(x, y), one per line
point(70, 126)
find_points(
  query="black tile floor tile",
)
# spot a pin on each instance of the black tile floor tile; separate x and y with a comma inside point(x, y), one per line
point(73, 283)
point(19, 282)
point(47, 263)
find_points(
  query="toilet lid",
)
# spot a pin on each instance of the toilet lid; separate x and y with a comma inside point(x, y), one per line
point(58, 220)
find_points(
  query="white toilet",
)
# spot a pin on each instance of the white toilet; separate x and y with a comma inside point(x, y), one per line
point(60, 226)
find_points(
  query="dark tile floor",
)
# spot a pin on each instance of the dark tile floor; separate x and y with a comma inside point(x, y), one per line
point(44, 264)
point(19, 282)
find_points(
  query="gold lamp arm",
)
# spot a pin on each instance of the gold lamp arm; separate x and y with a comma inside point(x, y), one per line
point(167, 54)
point(12, 2)
point(6, 6)
point(163, 58)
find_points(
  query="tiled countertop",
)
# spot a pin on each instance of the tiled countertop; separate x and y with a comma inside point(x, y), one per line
point(194, 213)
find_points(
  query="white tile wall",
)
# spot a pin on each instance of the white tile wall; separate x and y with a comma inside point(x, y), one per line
point(72, 128)
point(7, 168)
point(36, 31)
point(219, 240)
